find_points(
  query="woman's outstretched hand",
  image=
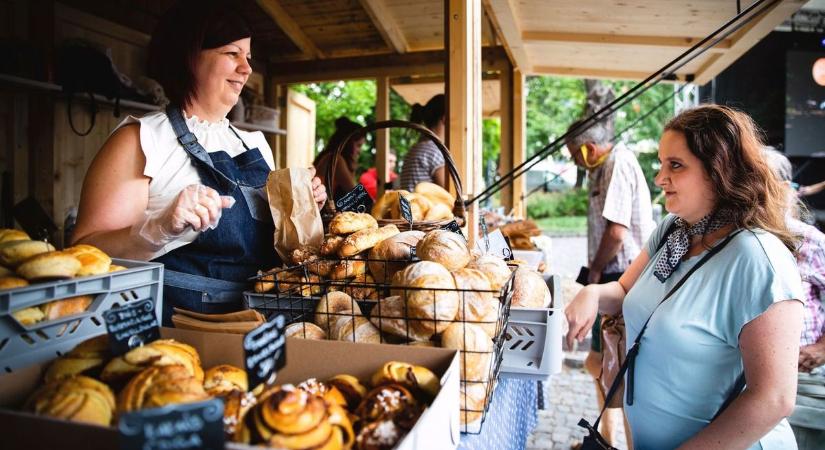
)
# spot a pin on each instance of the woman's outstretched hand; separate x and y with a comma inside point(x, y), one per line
point(581, 314)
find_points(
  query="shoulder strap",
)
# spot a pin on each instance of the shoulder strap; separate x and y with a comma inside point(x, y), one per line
point(628, 365)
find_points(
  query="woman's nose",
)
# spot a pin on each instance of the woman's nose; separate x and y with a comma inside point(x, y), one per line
point(244, 67)
point(659, 180)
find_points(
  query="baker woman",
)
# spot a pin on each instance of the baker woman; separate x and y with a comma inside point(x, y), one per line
point(183, 186)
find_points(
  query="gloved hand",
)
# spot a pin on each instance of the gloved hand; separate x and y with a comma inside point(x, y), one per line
point(196, 207)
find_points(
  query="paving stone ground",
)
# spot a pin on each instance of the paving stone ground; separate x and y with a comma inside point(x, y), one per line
point(571, 394)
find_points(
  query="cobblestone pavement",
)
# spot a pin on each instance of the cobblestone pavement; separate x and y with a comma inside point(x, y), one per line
point(571, 394)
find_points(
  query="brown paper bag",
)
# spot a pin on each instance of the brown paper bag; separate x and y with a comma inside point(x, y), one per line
point(294, 211)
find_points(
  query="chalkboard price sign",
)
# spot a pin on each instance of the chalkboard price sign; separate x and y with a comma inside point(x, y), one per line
point(406, 209)
point(131, 326)
point(181, 426)
point(453, 226)
point(265, 350)
point(356, 200)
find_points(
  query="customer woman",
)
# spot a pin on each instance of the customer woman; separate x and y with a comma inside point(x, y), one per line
point(183, 186)
point(424, 161)
point(738, 312)
point(347, 164)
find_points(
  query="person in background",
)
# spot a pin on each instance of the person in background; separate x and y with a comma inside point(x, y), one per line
point(619, 221)
point(738, 317)
point(182, 186)
point(347, 164)
point(369, 179)
point(424, 161)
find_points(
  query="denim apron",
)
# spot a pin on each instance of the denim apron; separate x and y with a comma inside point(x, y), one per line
point(210, 274)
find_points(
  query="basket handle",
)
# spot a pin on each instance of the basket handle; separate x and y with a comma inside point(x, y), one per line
point(459, 210)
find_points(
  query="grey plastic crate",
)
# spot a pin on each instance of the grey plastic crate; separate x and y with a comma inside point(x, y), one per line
point(21, 345)
point(532, 347)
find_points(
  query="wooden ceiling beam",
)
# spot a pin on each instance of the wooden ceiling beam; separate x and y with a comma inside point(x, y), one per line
point(748, 36)
point(504, 21)
point(291, 28)
point(619, 39)
point(365, 67)
point(583, 72)
point(385, 23)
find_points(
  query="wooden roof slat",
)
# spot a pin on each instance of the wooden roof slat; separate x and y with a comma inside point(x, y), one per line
point(384, 22)
point(502, 16)
point(579, 72)
point(615, 39)
point(291, 28)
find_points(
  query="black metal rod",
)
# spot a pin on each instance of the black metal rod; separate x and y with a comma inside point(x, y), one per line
point(665, 72)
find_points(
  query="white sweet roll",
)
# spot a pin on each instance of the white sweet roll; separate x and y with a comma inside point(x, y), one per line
point(530, 290)
point(477, 304)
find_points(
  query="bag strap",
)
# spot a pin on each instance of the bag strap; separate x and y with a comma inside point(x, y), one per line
point(737, 389)
point(628, 365)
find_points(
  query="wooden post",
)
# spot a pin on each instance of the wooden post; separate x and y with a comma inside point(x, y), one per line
point(463, 43)
point(382, 137)
point(519, 142)
point(506, 156)
point(276, 97)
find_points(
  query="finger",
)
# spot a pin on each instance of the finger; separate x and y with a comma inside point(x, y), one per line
point(227, 201)
point(203, 214)
point(190, 218)
point(213, 207)
point(316, 182)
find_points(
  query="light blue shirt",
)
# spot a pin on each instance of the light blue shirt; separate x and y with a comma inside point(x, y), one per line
point(689, 358)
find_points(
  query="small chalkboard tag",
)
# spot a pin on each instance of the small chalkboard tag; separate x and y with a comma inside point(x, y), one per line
point(406, 209)
point(453, 226)
point(265, 351)
point(179, 426)
point(507, 252)
point(484, 233)
point(413, 252)
point(131, 326)
point(356, 200)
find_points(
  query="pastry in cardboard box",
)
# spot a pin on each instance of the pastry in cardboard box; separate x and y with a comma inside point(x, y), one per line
point(158, 386)
point(85, 359)
point(76, 398)
point(223, 379)
point(417, 378)
point(349, 386)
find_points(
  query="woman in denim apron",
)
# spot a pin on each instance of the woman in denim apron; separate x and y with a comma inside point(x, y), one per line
point(184, 187)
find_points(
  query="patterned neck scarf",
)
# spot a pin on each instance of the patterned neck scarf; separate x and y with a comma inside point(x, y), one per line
point(678, 242)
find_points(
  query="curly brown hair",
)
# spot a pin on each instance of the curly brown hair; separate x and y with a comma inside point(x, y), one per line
point(729, 145)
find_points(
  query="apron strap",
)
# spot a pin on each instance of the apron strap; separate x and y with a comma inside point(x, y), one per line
point(186, 138)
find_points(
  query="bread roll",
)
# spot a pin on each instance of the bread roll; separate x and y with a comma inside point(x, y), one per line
point(418, 206)
point(355, 329)
point(444, 247)
point(28, 316)
point(435, 193)
point(78, 399)
point(166, 352)
point(349, 386)
point(393, 254)
point(476, 349)
point(334, 305)
point(473, 397)
point(494, 268)
point(328, 392)
point(365, 239)
point(9, 235)
point(476, 303)
point(381, 208)
point(12, 282)
point(321, 267)
point(12, 253)
point(66, 307)
point(439, 211)
point(303, 254)
point(331, 245)
point(305, 330)
point(223, 379)
point(349, 222)
point(93, 260)
point(84, 359)
point(385, 402)
point(390, 315)
point(49, 265)
point(529, 289)
point(348, 268)
point(116, 268)
point(5, 272)
point(160, 386)
point(431, 302)
point(361, 287)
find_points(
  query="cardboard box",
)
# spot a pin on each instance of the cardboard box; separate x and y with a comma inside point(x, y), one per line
point(438, 427)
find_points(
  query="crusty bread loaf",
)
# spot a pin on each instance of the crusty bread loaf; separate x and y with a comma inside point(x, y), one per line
point(349, 222)
point(439, 211)
point(54, 264)
point(529, 289)
point(66, 307)
point(391, 316)
point(444, 247)
point(9, 234)
point(393, 254)
point(11, 282)
point(477, 304)
point(476, 347)
point(303, 253)
point(331, 244)
point(348, 268)
point(365, 239)
point(223, 379)
point(433, 296)
point(381, 208)
point(305, 330)
point(418, 206)
point(356, 329)
point(12, 253)
point(321, 267)
point(361, 287)
point(333, 305)
point(473, 397)
point(435, 193)
point(494, 268)
point(93, 260)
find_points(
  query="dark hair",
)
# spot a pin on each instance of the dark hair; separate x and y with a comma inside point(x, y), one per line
point(730, 147)
point(187, 28)
point(343, 128)
point(429, 114)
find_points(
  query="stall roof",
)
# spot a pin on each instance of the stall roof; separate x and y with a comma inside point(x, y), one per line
point(312, 40)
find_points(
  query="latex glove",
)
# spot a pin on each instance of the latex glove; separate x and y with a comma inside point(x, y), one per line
point(196, 207)
point(581, 314)
point(319, 191)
